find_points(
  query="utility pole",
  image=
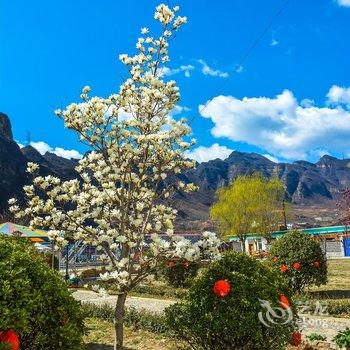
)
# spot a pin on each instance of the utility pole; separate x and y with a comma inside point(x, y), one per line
point(284, 213)
point(28, 138)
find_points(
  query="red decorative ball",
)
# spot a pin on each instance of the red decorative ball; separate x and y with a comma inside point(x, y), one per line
point(284, 302)
point(316, 264)
point(296, 339)
point(186, 264)
point(170, 264)
point(284, 268)
point(222, 288)
point(296, 266)
point(11, 338)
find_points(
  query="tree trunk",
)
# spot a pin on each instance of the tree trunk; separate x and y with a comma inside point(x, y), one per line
point(119, 321)
point(243, 245)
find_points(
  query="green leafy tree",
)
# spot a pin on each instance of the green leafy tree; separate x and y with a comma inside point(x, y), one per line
point(269, 197)
point(251, 204)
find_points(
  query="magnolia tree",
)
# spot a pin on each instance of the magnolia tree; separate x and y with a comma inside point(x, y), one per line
point(124, 183)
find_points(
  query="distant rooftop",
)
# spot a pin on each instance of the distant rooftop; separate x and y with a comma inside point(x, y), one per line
point(310, 231)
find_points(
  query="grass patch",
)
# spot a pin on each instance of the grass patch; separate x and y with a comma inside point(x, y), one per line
point(101, 336)
point(338, 279)
point(335, 294)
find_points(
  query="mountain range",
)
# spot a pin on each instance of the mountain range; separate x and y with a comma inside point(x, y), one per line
point(307, 184)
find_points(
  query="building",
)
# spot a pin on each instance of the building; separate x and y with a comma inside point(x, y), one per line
point(334, 240)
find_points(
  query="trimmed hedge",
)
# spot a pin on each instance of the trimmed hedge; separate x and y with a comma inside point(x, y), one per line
point(334, 307)
point(299, 259)
point(35, 301)
point(178, 272)
point(137, 319)
point(224, 302)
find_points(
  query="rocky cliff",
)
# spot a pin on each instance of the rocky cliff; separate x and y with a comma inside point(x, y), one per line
point(306, 183)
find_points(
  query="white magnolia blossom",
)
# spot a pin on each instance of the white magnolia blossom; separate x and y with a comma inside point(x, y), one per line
point(136, 151)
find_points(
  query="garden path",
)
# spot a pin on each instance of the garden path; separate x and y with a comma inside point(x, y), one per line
point(150, 304)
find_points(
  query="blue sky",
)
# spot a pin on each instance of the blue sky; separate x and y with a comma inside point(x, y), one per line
point(290, 100)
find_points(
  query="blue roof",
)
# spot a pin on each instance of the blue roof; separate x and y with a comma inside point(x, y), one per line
point(317, 230)
point(310, 231)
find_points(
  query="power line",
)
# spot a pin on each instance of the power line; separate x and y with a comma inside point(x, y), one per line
point(253, 46)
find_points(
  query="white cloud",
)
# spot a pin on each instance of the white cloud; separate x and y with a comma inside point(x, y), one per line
point(204, 154)
point(337, 94)
point(67, 153)
point(210, 71)
point(19, 144)
point(42, 147)
point(272, 158)
point(178, 110)
point(280, 125)
point(345, 3)
point(186, 69)
point(274, 42)
point(306, 102)
point(239, 69)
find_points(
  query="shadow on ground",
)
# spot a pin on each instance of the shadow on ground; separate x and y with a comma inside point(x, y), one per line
point(331, 294)
point(94, 346)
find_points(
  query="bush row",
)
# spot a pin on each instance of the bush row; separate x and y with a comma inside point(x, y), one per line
point(136, 319)
point(163, 291)
point(331, 307)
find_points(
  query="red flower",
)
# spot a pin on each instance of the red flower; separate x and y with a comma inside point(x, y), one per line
point(284, 302)
point(11, 338)
point(316, 264)
point(186, 264)
point(274, 259)
point(170, 264)
point(296, 266)
point(222, 288)
point(284, 268)
point(296, 339)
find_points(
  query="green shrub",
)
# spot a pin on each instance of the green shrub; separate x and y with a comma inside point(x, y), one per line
point(103, 312)
point(91, 273)
point(35, 301)
point(299, 258)
point(179, 273)
point(48, 257)
point(338, 307)
point(207, 321)
point(316, 337)
point(137, 319)
point(342, 339)
point(5, 346)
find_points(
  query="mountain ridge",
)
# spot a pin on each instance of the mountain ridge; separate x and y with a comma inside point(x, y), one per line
point(306, 183)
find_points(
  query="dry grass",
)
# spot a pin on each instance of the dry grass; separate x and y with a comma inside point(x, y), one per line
point(339, 274)
point(100, 337)
point(338, 286)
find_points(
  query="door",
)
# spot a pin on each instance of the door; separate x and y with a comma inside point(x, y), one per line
point(347, 246)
